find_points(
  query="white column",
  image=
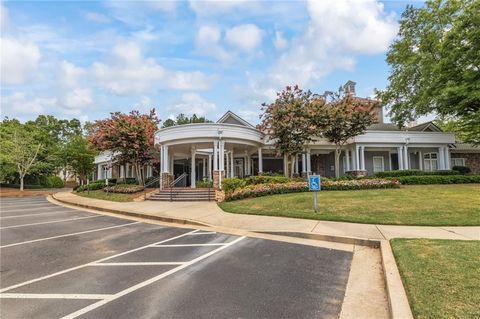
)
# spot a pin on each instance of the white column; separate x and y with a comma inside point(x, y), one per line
point(165, 159)
point(215, 155)
point(420, 160)
point(221, 155)
point(447, 158)
point(192, 171)
point(122, 171)
point(170, 166)
point(362, 157)
point(204, 168)
point(161, 162)
point(227, 159)
point(249, 165)
point(441, 158)
point(209, 168)
point(232, 166)
point(400, 157)
point(296, 165)
point(347, 159)
point(406, 157)
point(357, 157)
point(304, 162)
point(285, 165)
point(309, 161)
point(260, 161)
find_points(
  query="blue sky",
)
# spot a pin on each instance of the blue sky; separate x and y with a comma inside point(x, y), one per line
point(87, 59)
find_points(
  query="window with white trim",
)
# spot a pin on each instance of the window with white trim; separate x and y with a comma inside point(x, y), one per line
point(430, 162)
point(378, 164)
point(457, 162)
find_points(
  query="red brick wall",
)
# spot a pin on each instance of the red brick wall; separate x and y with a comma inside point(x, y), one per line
point(472, 160)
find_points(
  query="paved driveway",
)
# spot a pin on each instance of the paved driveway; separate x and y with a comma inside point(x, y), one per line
point(58, 262)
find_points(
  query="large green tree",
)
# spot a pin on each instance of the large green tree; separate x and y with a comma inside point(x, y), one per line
point(435, 65)
point(288, 121)
point(80, 156)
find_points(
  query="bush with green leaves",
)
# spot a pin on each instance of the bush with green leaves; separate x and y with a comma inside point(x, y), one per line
point(91, 186)
point(232, 183)
point(204, 184)
point(439, 179)
point(266, 179)
point(54, 182)
point(6, 185)
point(462, 169)
point(414, 172)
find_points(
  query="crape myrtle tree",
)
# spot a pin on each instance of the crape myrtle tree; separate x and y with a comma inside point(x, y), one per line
point(343, 118)
point(288, 121)
point(130, 138)
point(435, 65)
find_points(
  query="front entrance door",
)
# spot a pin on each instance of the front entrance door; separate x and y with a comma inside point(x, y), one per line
point(239, 168)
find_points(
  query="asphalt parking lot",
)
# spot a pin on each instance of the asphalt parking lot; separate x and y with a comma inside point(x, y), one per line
point(57, 262)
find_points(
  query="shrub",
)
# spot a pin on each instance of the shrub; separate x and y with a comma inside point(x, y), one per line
point(462, 169)
point(439, 179)
point(92, 186)
point(130, 180)
point(413, 172)
point(266, 179)
point(295, 187)
point(54, 182)
point(124, 188)
point(25, 186)
point(232, 183)
point(204, 184)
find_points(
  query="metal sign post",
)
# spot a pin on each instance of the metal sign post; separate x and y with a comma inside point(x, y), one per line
point(315, 186)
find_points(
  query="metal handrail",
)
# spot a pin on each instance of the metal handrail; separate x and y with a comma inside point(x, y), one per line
point(179, 178)
point(153, 181)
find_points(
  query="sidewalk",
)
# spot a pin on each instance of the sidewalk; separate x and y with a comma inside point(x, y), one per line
point(208, 213)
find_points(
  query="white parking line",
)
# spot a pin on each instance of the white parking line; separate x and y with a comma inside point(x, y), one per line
point(66, 235)
point(148, 282)
point(30, 215)
point(93, 262)
point(204, 233)
point(155, 263)
point(55, 296)
point(50, 222)
point(190, 245)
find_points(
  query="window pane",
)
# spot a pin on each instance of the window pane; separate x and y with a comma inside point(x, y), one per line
point(433, 155)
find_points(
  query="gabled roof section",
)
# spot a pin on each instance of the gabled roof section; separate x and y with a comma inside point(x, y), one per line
point(425, 127)
point(232, 118)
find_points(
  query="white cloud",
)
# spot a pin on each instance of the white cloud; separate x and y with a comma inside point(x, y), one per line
point(19, 60)
point(279, 42)
point(129, 72)
point(337, 32)
point(70, 75)
point(215, 7)
point(245, 37)
point(77, 99)
point(192, 103)
point(20, 104)
point(208, 42)
point(97, 17)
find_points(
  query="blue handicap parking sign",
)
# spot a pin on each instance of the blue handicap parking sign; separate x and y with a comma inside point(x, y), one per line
point(314, 182)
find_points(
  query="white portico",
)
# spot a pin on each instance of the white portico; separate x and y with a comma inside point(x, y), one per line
point(209, 151)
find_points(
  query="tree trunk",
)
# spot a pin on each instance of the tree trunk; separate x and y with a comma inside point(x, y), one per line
point(338, 151)
point(21, 182)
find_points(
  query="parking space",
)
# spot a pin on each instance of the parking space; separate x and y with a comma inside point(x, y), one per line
point(65, 263)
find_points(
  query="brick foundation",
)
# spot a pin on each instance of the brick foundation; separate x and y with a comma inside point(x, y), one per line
point(166, 180)
point(216, 178)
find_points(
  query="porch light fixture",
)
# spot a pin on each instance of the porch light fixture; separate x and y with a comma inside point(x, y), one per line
point(219, 132)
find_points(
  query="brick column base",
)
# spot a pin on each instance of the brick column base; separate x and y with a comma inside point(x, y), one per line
point(216, 178)
point(166, 180)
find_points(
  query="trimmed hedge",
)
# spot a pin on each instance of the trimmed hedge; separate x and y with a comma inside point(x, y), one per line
point(439, 179)
point(92, 186)
point(124, 188)
point(296, 187)
point(414, 172)
point(462, 169)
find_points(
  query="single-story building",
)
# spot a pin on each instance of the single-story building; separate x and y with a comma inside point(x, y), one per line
point(234, 147)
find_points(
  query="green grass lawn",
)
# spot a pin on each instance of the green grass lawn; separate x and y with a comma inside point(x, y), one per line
point(442, 277)
point(436, 205)
point(116, 197)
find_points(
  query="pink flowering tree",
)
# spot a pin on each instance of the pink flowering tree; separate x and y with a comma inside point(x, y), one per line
point(130, 137)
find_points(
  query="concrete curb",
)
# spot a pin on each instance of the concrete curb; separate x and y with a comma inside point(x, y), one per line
point(373, 243)
point(132, 214)
point(397, 297)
